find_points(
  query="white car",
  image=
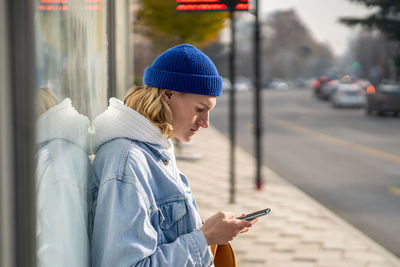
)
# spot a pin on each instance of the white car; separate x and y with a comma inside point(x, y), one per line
point(348, 95)
point(226, 84)
point(241, 84)
point(278, 84)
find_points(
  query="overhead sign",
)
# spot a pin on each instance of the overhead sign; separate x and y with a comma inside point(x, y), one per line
point(213, 5)
point(62, 5)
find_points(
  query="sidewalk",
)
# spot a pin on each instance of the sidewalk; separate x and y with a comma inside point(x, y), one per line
point(298, 231)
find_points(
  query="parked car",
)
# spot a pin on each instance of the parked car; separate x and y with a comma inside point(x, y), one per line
point(299, 83)
point(348, 95)
point(226, 84)
point(384, 98)
point(278, 84)
point(241, 84)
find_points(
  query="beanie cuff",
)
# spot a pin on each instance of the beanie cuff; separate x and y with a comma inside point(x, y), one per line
point(183, 82)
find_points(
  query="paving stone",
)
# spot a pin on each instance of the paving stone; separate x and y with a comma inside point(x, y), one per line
point(341, 263)
point(385, 264)
point(296, 247)
point(350, 245)
point(299, 232)
point(280, 263)
point(369, 256)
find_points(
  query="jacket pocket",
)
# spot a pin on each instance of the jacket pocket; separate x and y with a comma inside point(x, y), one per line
point(172, 219)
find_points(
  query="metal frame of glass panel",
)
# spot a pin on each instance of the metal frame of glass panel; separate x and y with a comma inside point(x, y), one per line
point(17, 158)
point(6, 192)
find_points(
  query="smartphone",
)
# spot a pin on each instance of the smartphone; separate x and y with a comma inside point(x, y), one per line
point(254, 215)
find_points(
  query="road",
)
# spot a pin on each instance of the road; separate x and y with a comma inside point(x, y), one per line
point(347, 161)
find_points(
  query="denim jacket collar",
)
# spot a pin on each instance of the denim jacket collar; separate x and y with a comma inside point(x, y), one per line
point(120, 121)
point(162, 153)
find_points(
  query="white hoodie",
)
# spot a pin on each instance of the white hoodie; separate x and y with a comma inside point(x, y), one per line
point(122, 121)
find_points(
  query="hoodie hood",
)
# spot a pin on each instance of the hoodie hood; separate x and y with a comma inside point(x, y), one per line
point(120, 121)
point(63, 122)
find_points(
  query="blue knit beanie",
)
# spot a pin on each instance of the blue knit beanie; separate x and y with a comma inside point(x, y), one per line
point(184, 68)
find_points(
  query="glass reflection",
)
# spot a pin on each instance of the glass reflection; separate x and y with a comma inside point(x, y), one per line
point(71, 54)
point(62, 175)
point(71, 70)
point(71, 74)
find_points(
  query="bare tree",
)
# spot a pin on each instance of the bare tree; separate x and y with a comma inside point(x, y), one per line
point(373, 51)
point(289, 49)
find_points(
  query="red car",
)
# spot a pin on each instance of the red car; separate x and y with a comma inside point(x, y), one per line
point(316, 85)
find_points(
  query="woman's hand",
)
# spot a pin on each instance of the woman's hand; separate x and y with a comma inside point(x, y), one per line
point(223, 227)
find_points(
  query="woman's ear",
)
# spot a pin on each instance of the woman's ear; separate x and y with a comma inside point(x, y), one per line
point(167, 95)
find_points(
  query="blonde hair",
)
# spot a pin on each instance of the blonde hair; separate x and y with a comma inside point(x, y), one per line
point(45, 100)
point(149, 102)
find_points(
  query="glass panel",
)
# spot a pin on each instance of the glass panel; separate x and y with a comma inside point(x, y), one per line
point(123, 47)
point(72, 79)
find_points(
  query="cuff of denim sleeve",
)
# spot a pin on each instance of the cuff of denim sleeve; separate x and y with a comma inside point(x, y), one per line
point(199, 247)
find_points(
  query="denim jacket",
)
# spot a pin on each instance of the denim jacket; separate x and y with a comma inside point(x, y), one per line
point(143, 211)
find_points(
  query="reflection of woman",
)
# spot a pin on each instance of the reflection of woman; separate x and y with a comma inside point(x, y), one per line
point(144, 212)
point(61, 183)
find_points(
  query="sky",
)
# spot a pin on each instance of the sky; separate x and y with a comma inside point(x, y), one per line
point(321, 18)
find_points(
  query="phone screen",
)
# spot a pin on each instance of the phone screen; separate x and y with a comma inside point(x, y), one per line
point(256, 214)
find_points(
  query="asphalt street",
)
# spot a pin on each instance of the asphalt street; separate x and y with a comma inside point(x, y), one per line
point(347, 161)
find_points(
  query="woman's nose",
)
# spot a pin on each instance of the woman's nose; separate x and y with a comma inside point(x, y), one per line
point(204, 121)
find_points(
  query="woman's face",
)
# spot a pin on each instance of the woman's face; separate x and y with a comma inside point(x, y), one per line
point(189, 112)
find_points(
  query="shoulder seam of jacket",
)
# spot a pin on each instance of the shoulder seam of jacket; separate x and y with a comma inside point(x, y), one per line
point(137, 186)
point(123, 159)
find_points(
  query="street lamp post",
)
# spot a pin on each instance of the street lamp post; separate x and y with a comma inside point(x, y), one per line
point(257, 98)
point(218, 6)
point(232, 110)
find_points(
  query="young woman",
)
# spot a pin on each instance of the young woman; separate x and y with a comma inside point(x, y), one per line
point(144, 211)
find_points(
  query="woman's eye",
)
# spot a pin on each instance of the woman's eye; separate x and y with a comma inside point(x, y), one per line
point(199, 109)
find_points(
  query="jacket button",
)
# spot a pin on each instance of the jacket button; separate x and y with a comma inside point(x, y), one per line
point(165, 162)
